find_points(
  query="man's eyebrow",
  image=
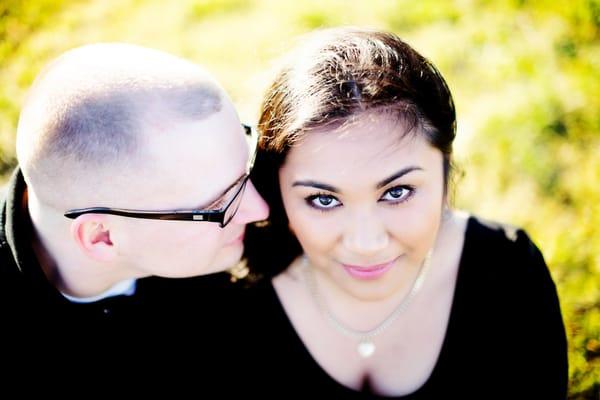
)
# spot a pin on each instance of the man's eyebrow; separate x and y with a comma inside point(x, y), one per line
point(214, 200)
point(397, 175)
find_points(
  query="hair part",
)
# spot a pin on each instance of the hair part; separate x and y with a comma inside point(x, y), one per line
point(340, 73)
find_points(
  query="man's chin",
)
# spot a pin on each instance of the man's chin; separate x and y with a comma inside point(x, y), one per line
point(229, 258)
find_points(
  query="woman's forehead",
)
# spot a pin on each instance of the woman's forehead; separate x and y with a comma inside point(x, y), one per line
point(372, 140)
point(351, 163)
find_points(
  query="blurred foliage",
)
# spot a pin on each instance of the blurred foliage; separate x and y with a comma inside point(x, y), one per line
point(525, 76)
point(18, 20)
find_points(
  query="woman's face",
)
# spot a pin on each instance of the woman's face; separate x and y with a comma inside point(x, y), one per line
point(364, 203)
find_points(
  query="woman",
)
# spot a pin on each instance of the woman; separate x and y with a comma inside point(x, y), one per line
point(372, 284)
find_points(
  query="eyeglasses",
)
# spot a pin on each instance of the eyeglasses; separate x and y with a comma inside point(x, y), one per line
point(222, 215)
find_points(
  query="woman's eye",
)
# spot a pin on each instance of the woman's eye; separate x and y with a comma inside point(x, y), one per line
point(322, 201)
point(397, 194)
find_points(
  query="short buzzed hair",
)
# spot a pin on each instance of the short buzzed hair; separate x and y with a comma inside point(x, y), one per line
point(87, 111)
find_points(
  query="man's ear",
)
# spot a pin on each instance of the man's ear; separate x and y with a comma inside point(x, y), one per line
point(91, 232)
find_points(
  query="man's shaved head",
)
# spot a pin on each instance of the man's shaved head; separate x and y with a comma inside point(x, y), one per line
point(89, 113)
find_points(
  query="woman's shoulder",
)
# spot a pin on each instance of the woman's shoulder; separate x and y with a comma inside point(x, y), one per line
point(494, 232)
point(505, 271)
point(506, 290)
point(491, 237)
point(503, 253)
point(486, 240)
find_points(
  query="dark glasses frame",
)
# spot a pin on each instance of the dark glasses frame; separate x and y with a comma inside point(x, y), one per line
point(217, 216)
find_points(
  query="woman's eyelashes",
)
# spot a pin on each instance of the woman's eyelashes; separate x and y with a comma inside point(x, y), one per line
point(396, 195)
point(322, 201)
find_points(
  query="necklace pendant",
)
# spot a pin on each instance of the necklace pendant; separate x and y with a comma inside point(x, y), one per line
point(366, 348)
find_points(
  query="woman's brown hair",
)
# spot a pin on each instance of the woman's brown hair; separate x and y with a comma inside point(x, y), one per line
point(335, 77)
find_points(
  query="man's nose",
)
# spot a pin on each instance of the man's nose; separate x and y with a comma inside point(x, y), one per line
point(252, 207)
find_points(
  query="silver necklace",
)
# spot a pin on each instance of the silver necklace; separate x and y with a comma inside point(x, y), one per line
point(365, 347)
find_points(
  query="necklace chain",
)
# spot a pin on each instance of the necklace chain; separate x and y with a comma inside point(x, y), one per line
point(366, 346)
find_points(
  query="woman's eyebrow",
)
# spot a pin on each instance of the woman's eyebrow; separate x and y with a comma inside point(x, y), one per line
point(397, 175)
point(331, 188)
point(317, 185)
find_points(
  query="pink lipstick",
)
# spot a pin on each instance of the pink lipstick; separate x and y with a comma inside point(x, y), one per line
point(368, 272)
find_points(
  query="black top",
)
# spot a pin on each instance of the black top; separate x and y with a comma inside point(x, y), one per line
point(174, 333)
point(505, 336)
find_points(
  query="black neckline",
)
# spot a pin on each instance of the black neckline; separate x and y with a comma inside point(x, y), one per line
point(443, 354)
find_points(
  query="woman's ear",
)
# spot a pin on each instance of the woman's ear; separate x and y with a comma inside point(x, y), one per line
point(91, 232)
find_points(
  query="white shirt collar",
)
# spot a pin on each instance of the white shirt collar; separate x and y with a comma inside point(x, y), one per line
point(126, 288)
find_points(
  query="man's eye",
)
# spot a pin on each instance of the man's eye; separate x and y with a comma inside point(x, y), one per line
point(226, 198)
point(217, 205)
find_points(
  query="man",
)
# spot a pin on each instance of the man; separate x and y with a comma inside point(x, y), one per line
point(132, 164)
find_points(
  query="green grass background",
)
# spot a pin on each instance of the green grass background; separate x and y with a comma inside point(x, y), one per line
point(525, 76)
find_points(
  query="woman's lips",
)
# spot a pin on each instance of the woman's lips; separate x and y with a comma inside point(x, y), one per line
point(368, 272)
